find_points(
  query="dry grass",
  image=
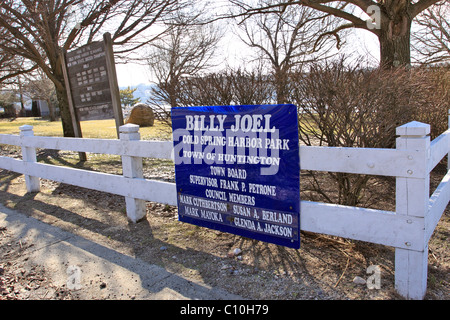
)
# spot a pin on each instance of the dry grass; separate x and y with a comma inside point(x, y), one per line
point(103, 129)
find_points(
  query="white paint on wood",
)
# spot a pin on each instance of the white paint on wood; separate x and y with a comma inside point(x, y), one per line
point(150, 190)
point(411, 273)
point(412, 198)
point(150, 149)
point(132, 168)
point(375, 226)
point(29, 155)
point(436, 205)
point(413, 129)
point(438, 149)
point(384, 162)
point(10, 139)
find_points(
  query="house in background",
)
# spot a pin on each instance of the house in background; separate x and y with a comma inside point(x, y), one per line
point(33, 108)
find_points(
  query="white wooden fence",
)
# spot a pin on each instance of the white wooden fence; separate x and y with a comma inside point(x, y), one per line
point(408, 229)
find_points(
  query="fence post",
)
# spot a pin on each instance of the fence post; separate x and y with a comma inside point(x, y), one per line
point(29, 155)
point(412, 197)
point(132, 168)
point(448, 127)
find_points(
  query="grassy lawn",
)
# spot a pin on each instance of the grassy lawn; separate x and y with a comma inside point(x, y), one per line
point(103, 129)
point(100, 129)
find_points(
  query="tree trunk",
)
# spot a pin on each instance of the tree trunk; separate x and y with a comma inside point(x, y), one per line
point(281, 85)
point(394, 37)
point(66, 118)
point(61, 95)
point(51, 109)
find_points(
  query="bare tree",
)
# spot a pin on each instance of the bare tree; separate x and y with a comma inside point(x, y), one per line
point(252, 86)
point(390, 21)
point(212, 89)
point(8, 99)
point(38, 30)
point(287, 37)
point(11, 65)
point(229, 86)
point(185, 51)
point(431, 43)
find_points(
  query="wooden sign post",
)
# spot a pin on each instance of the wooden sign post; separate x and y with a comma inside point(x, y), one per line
point(113, 84)
point(91, 82)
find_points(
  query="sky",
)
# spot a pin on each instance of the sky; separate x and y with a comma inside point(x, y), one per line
point(132, 74)
point(233, 51)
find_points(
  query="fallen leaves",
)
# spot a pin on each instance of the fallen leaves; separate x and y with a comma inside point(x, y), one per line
point(19, 280)
point(16, 284)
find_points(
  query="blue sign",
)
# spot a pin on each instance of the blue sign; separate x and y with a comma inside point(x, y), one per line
point(237, 170)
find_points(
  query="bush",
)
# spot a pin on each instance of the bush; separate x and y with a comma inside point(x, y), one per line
point(350, 106)
point(432, 97)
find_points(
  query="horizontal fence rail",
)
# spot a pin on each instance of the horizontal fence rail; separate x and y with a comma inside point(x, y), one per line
point(150, 190)
point(369, 161)
point(136, 148)
point(402, 163)
point(408, 229)
point(439, 149)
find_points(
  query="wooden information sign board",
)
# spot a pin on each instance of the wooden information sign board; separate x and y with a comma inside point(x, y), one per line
point(91, 82)
point(88, 76)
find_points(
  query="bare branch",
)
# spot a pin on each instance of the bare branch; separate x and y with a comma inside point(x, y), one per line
point(431, 42)
point(420, 6)
point(288, 38)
